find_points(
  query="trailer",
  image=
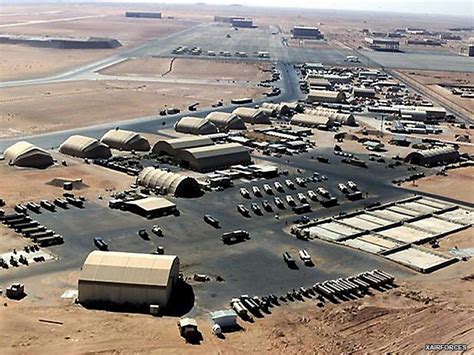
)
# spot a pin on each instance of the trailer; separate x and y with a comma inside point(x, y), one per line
point(28, 231)
point(50, 240)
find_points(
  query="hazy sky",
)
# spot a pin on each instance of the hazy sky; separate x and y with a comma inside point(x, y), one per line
point(446, 7)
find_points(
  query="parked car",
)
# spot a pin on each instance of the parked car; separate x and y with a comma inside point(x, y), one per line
point(143, 234)
point(243, 210)
point(279, 202)
point(157, 230)
point(266, 206)
point(312, 195)
point(244, 192)
point(256, 209)
point(268, 189)
point(290, 200)
point(352, 185)
point(278, 186)
point(289, 259)
point(256, 191)
point(211, 220)
point(289, 183)
point(302, 197)
point(101, 244)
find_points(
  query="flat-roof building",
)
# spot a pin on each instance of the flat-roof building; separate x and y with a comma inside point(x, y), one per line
point(306, 32)
point(242, 22)
point(85, 147)
point(125, 140)
point(139, 14)
point(151, 207)
point(25, 154)
point(383, 44)
point(117, 278)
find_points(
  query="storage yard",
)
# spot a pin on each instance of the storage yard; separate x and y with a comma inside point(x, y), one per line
point(243, 182)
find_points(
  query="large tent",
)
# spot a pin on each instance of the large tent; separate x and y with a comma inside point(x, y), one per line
point(25, 154)
point(118, 278)
point(168, 182)
point(195, 125)
point(125, 140)
point(214, 156)
point(85, 147)
point(225, 121)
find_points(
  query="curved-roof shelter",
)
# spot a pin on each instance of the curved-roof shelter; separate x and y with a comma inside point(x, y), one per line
point(171, 146)
point(178, 185)
point(214, 157)
point(252, 115)
point(194, 125)
point(85, 147)
point(225, 121)
point(339, 117)
point(432, 157)
point(25, 154)
point(125, 140)
point(305, 120)
point(325, 96)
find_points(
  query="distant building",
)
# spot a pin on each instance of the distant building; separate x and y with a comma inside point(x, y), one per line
point(425, 42)
point(227, 19)
point(383, 44)
point(470, 50)
point(242, 22)
point(138, 14)
point(307, 32)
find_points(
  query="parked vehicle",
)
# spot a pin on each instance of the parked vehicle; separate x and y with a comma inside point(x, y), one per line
point(243, 210)
point(244, 192)
point(268, 189)
point(300, 181)
point(256, 209)
point(235, 236)
point(211, 220)
point(278, 186)
point(101, 244)
point(289, 183)
point(279, 203)
point(302, 197)
point(157, 230)
point(289, 259)
point(343, 188)
point(290, 200)
point(305, 257)
point(352, 185)
point(312, 195)
point(143, 234)
point(256, 191)
point(266, 206)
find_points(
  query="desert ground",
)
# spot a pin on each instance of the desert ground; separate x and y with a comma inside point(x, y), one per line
point(196, 69)
point(53, 107)
point(457, 185)
point(432, 81)
point(401, 320)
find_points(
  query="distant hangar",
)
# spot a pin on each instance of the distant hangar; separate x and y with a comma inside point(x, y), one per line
point(85, 147)
point(25, 154)
point(125, 140)
point(116, 278)
point(252, 115)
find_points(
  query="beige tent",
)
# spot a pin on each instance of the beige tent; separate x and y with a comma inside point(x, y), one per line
point(172, 146)
point(311, 120)
point(168, 182)
point(195, 125)
point(339, 117)
point(125, 140)
point(325, 96)
point(225, 121)
point(85, 147)
point(117, 278)
point(25, 154)
point(252, 115)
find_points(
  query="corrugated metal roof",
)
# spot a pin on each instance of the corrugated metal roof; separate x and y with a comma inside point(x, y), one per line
point(195, 125)
point(128, 268)
point(122, 139)
point(154, 178)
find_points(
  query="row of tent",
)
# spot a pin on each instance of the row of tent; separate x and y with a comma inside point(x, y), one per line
point(216, 122)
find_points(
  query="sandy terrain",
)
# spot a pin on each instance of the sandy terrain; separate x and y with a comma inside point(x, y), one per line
point(41, 108)
point(214, 71)
point(32, 184)
point(402, 320)
point(457, 185)
point(20, 61)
